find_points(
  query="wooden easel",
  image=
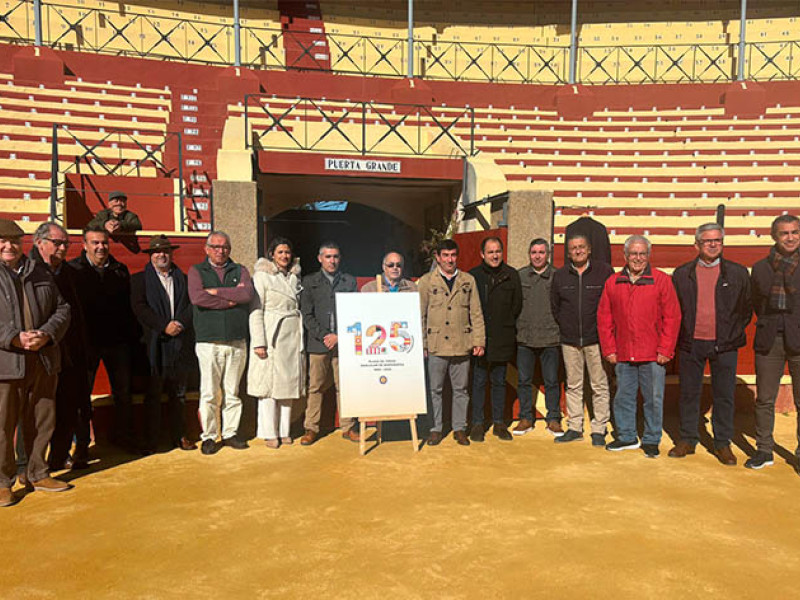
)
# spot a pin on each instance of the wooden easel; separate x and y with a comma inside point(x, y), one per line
point(362, 426)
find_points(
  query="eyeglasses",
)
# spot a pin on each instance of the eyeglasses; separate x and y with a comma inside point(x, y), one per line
point(393, 265)
point(638, 254)
point(58, 243)
point(711, 241)
point(226, 247)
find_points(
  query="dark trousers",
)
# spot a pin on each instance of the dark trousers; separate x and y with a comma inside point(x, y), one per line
point(117, 360)
point(72, 399)
point(526, 365)
point(769, 370)
point(33, 398)
point(723, 388)
point(174, 384)
point(481, 372)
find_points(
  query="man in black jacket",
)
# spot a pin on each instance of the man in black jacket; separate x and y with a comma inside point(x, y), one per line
point(318, 305)
point(776, 299)
point(50, 243)
point(501, 300)
point(160, 300)
point(104, 294)
point(714, 294)
point(574, 297)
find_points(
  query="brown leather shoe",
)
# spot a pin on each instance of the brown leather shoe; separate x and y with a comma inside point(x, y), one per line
point(49, 484)
point(352, 435)
point(6, 497)
point(523, 427)
point(461, 438)
point(435, 438)
point(725, 456)
point(555, 429)
point(681, 449)
point(309, 438)
point(186, 444)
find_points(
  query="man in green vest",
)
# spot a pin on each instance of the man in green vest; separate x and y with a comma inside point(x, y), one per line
point(220, 291)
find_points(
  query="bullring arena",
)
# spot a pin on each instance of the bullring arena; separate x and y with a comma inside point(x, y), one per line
point(380, 129)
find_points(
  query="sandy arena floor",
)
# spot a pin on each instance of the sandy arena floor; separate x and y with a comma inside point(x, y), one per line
point(499, 520)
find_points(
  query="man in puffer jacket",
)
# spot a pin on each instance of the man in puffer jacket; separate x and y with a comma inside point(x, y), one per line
point(638, 321)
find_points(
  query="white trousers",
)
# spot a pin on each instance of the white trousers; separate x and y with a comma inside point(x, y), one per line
point(221, 368)
point(270, 413)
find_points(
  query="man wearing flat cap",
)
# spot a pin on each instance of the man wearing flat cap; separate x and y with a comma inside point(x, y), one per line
point(116, 218)
point(33, 319)
point(160, 301)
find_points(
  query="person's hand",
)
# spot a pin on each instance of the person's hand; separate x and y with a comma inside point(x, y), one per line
point(478, 351)
point(425, 354)
point(612, 358)
point(662, 360)
point(261, 352)
point(111, 226)
point(240, 284)
point(212, 291)
point(33, 340)
point(173, 328)
point(330, 341)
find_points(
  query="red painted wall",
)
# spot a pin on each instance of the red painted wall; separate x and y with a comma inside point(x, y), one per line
point(151, 198)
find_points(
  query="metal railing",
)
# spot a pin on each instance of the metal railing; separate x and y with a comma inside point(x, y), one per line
point(657, 64)
point(211, 41)
point(356, 127)
point(132, 158)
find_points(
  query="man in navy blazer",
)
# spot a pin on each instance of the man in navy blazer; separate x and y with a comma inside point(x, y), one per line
point(160, 301)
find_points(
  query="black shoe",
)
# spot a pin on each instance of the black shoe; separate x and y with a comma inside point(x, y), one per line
point(209, 447)
point(759, 460)
point(435, 438)
point(618, 445)
point(476, 434)
point(598, 439)
point(501, 431)
point(570, 436)
point(235, 443)
point(650, 450)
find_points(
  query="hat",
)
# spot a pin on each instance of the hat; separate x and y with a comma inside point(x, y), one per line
point(117, 194)
point(160, 242)
point(9, 229)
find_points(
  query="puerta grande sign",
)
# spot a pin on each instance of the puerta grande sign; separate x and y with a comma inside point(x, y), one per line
point(362, 165)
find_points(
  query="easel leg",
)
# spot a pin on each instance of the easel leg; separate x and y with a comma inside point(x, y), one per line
point(379, 426)
point(362, 441)
point(413, 424)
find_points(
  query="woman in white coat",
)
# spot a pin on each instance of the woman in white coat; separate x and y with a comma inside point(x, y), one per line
point(277, 365)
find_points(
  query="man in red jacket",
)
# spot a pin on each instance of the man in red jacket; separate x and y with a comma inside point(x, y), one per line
point(638, 322)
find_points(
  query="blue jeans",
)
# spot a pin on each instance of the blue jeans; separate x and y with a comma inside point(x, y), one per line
point(649, 378)
point(526, 364)
point(496, 371)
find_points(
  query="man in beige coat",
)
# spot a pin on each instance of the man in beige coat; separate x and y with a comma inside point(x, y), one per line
point(452, 331)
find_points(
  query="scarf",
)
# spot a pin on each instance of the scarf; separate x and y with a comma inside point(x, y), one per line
point(781, 292)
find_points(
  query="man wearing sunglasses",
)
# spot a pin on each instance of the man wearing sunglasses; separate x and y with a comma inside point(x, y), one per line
point(391, 280)
point(714, 294)
point(73, 401)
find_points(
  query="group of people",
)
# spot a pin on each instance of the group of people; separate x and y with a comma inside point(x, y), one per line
point(633, 321)
point(60, 319)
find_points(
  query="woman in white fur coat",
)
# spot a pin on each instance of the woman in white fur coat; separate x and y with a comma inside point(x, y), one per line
point(277, 364)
